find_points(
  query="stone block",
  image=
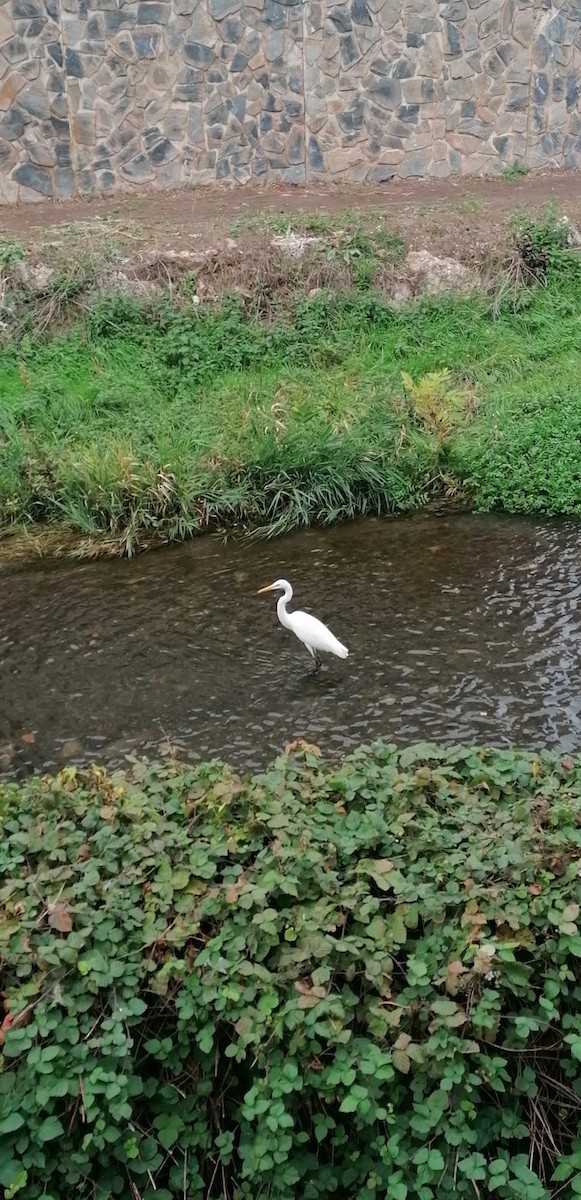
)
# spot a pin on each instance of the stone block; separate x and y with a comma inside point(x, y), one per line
point(6, 24)
point(146, 44)
point(386, 93)
point(8, 155)
point(523, 27)
point(343, 158)
point(138, 169)
point(39, 153)
point(35, 179)
point(389, 14)
point(475, 127)
point(295, 147)
point(198, 54)
point(403, 68)
point(540, 88)
point(35, 100)
point(466, 144)
point(339, 19)
point(351, 119)
point(360, 13)
point(163, 151)
point(453, 44)
point(151, 13)
point(517, 98)
point(15, 50)
point(456, 10)
point(416, 164)
point(73, 64)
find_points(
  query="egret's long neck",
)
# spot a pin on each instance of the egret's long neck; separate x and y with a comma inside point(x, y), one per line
point(281, 604)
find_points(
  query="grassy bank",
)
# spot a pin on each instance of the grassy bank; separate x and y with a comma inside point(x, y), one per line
point(360, 981)
point(142, 424)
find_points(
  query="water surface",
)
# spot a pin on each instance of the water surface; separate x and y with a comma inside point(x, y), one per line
point(459, 628)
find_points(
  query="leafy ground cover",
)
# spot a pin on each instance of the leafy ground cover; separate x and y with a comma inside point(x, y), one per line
point(147, 424)
point(359, 980)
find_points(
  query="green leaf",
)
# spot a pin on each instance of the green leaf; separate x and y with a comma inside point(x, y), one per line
point(11, 1122)
point(50, 1129)
point(444, 1008)
point(498, 1167)
point(10, 1172)
point(19, 1181)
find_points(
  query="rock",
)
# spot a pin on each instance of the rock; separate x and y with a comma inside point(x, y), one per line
point(150, 13)
point(435, 275)
point(314, 157)
point(138, 169)
point(343, 159)
point(73, 64)
point(15, 50)
point(239, 63)
point(218, 9)
point(83, 128)
point(36, 179)
point(455, 11)
point(351, 119)
point(41, 154)
point(71, 749)
point(540, 88)
point(10, 88)
point(403, 68)
point(386, 94)
point(416, 164)
point(12, 125)
point(55, 51)
point(381, 173)
point(7, 154)
point(146, 44)
point(196, 53)
point(360, 13)
point(349, 50)
point(453, 44)
point(163, 152)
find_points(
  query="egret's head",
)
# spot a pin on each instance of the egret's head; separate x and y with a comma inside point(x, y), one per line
point(279, 585)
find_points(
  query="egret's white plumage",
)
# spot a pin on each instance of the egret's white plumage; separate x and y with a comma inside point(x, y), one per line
point(309, 630)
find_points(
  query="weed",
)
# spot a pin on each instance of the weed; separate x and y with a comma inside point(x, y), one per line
point(516, 170)
point(539, 249)
point(437, 401)
point(470, 203)
point(357, 979)
point(141, 425)
point(542, 242)
point(10, 254)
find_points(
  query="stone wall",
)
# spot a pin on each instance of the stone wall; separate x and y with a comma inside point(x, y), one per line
point(99, 96)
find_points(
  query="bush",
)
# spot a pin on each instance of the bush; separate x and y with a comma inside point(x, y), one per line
point(356, 981)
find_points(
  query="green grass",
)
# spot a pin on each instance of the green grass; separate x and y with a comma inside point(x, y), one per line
point(516, 170)
point(133, 428)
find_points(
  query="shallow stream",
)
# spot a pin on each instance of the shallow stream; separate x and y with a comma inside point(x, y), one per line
point(460, 628)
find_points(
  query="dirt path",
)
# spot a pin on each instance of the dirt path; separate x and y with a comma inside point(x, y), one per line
point(185, 217)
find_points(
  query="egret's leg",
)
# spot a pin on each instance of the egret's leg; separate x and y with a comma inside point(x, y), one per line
point(315, 656)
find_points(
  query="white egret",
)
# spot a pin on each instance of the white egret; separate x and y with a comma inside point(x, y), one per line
point(309, 630)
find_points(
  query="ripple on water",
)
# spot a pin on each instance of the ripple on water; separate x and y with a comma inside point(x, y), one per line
point(460, 628)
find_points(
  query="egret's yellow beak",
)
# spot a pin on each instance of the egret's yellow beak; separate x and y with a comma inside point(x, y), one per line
point(265, 589)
